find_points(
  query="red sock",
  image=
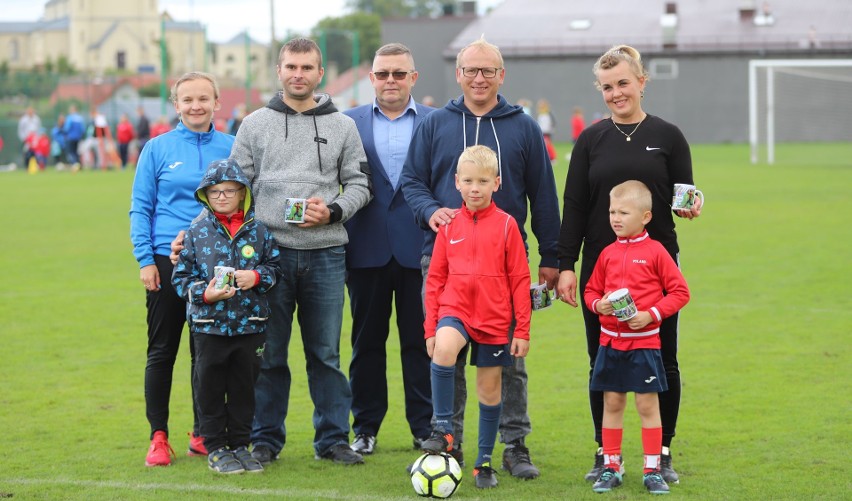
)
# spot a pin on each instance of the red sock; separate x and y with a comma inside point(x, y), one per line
point(652, 444)
point(611, 438)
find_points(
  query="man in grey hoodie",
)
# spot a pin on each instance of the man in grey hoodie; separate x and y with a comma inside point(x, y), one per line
point(300, 147)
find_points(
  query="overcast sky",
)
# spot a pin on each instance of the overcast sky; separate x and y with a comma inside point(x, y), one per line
point(226, 18)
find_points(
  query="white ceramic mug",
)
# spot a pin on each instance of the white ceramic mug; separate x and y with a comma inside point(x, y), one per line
point(623, 306)
point(294, 210)
point(540, 297)
point(683, 196)
point(224, 276)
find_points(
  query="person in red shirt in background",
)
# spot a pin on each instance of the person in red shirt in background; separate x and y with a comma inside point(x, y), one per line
point(578, 123)
point(124, 133)
point(37, 145)
point(161, 127)
point(629, 358)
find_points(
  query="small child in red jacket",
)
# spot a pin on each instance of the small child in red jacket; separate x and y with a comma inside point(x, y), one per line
point(629, 356)
point(478, 285)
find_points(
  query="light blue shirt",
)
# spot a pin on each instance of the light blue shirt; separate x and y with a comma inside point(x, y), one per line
point(392, 138)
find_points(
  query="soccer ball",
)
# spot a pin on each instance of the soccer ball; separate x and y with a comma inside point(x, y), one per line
point(436, 475)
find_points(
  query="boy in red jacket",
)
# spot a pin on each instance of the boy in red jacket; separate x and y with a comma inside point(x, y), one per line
point(629, 357)
point(478, 285)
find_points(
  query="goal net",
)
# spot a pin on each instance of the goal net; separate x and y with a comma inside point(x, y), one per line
point(798, 101)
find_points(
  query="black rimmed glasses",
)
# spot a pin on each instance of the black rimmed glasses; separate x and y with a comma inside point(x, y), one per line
point(229, 193)
point(471, 72)
point(397, 75)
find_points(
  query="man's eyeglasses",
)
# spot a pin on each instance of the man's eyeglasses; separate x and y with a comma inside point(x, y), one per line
point(230, 193)
point(486, 72)
point(397, 75)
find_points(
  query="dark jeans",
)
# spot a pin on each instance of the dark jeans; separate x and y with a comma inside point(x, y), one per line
point(227, 368)
point(670, 399)
point(166, 318)
point(514, 419)
point(313, 279)
point(372, 293)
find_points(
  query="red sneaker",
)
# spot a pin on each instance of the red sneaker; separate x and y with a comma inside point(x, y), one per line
point(160, 453)
point(196, 446)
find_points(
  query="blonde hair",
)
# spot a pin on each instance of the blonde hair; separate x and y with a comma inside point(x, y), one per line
point(481, 156)
point(480, 44)
point(633, 191)
point(194, 75)
point(617, 54)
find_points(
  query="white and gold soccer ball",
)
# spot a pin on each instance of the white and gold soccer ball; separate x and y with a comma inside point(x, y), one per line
point(436, 475)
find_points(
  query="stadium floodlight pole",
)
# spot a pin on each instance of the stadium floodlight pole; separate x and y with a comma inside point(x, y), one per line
point(248, 70)
point(163, 62)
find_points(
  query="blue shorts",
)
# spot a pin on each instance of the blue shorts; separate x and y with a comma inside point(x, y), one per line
point(481, 355)
point(639, 371)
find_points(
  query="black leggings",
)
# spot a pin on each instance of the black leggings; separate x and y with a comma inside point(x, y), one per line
point(166, 318)
point(669, 400)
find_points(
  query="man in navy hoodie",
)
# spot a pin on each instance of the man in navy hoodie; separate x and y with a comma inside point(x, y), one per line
point(482, 116)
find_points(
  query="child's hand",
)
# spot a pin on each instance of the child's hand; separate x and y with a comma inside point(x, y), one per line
point(212, 294)
point(640, 320)
point(245, 279)
point(604, 307)
point(430, 345)
point(520, 347)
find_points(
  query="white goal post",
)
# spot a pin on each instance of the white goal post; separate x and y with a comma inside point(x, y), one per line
point(815, 90)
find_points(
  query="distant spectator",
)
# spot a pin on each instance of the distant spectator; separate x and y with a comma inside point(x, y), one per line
point(547, 122)
point(428, 101)
point(74, 129)
point(124, 133)
point(578, 123)
point(161, 127)
point(28, 124)
point(59, 144)
point(143, 128)
point(37, 145)
point(236, 119)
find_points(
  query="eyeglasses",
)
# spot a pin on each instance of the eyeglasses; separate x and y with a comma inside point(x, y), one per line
point(486, 72)
point(397, 75)
point(230, 193)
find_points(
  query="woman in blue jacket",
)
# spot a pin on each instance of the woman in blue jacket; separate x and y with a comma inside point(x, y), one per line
point(162, 204)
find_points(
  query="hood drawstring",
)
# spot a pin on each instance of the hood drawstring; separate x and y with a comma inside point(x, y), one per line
point(476, 141)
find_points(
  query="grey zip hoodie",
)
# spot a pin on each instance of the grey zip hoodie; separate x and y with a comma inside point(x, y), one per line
point(317, 153)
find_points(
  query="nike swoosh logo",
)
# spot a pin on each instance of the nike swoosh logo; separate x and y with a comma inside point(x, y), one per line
point(651, 379)
point(172, 166)
point(498, 353)
point(455, 241)
point(648, 148)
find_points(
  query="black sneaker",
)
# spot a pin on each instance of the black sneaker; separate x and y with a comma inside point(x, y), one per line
point(666, 470)
point(342, 454)
point(438, 442)
point(598, 468)
point(224, 461)
point(263, 454)
point(250, 463)
point(609, 480)
point(516, 460)
point(364, 443)
point(457, 454)
point(485, 476)
point(654, 483)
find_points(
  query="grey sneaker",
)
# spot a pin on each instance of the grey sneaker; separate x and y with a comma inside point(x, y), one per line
point(516, 460)
point(654, 483)
point(263, 454)
point(609, 480)
point(224, 461)
point(485, 476)
point(250, 463)
point(364, 443)
point(666, 470)
point(341, 454)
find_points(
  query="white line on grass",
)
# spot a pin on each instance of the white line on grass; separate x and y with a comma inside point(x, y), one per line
point(287, 493)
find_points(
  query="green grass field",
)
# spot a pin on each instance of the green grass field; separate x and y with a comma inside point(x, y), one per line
point(765, 355)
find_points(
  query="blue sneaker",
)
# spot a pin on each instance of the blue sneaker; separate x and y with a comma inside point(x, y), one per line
point(654, 483)
point(609, 480)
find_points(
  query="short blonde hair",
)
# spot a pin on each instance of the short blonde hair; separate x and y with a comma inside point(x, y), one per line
point(480, 156)
point(617, 54)
point(633, 191)
point(194, 75)
point(480, 44)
